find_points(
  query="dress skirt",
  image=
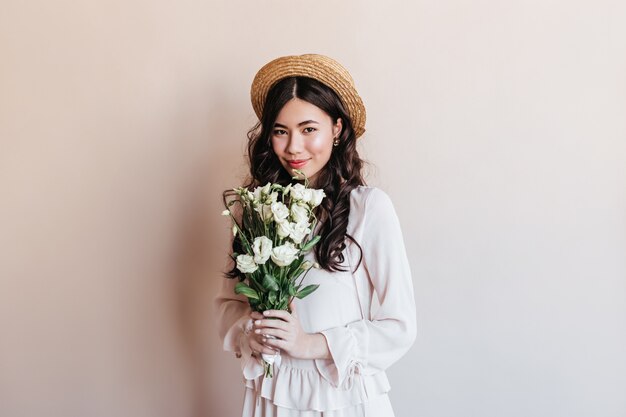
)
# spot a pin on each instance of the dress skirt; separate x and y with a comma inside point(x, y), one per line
point(257, 406)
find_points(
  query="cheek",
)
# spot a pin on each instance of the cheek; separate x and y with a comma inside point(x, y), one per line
point(320, 145)
point(275, 146)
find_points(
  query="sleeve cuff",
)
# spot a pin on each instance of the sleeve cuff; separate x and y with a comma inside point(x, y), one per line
point(347, 346)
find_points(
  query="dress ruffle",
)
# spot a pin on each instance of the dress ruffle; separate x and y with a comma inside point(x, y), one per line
point(297, 384)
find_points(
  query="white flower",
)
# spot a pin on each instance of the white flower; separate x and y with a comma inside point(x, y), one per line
point(262, 248)
point(257, 194)
point(273, 197)
point(271, 358)
point(298, 192)
point(226, 213)
point(307, 195)
point(241, 192)
point(284, 229)
point(265, 211)
point(245, 263)
point(284, 255)
point(280, 211)
point(306, 265)
point(299, 214)
point(260, 192)
point(299, 231)
point(317, 197)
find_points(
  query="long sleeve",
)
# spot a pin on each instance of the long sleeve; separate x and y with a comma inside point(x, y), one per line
point(372, 344)
point(233, 317)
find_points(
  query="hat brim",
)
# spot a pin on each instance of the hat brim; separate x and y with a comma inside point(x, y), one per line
point(320, 67)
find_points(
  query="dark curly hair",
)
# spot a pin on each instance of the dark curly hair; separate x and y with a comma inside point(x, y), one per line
point(338, 178)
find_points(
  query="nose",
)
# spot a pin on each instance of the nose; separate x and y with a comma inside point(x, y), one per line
point(296, 144)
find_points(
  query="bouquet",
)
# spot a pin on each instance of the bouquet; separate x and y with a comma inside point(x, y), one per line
point(275, 232)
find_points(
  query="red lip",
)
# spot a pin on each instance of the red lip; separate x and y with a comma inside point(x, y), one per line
point(298, 163)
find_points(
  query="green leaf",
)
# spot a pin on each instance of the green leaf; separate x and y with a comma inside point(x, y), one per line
point(272, 297)
point(292, 289)
point(306, 290)
point(311, 243)
point(295, 265)
point(270, 282)
point(242, 288)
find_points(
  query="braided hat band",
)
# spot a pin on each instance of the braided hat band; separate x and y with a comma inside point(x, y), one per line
point(322, 68)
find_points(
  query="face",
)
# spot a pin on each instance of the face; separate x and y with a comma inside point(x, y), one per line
point(302, 137)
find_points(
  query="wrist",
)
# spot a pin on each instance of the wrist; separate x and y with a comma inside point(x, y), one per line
point(317, 347)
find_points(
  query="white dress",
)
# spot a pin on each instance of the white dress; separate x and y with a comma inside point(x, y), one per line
point(363, 339)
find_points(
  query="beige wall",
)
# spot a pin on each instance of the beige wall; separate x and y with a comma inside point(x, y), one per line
point(497, 128)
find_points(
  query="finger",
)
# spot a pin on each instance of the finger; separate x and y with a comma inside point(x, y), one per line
point(281, 334)
point(257, 347)
point(258, 339)
point(268, 350)
point(292, 307)
point(281, 314)
point(275, 324)
point(276, 343)
point(255, 315)
point(256, 344)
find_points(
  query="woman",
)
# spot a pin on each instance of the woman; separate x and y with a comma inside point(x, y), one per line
point(335, 345)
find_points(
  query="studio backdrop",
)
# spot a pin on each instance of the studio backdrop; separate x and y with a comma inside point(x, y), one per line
point(497, 128)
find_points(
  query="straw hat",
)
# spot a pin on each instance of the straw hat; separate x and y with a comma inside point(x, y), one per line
point(320, 67)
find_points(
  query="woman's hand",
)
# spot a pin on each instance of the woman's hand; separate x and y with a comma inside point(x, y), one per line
point(289, 335)
point(255, 339)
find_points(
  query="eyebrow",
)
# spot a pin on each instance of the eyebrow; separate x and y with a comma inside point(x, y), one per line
point(306, 122)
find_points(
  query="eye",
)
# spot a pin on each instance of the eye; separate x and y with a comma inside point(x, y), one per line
point(279, 132)
point(312, 129)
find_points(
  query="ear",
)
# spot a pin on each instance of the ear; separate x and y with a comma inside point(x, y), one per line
point(337, 127)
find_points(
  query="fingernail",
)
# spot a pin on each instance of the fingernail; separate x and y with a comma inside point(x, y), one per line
point(257, 331)
point(265, 313)
point(257, 322)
